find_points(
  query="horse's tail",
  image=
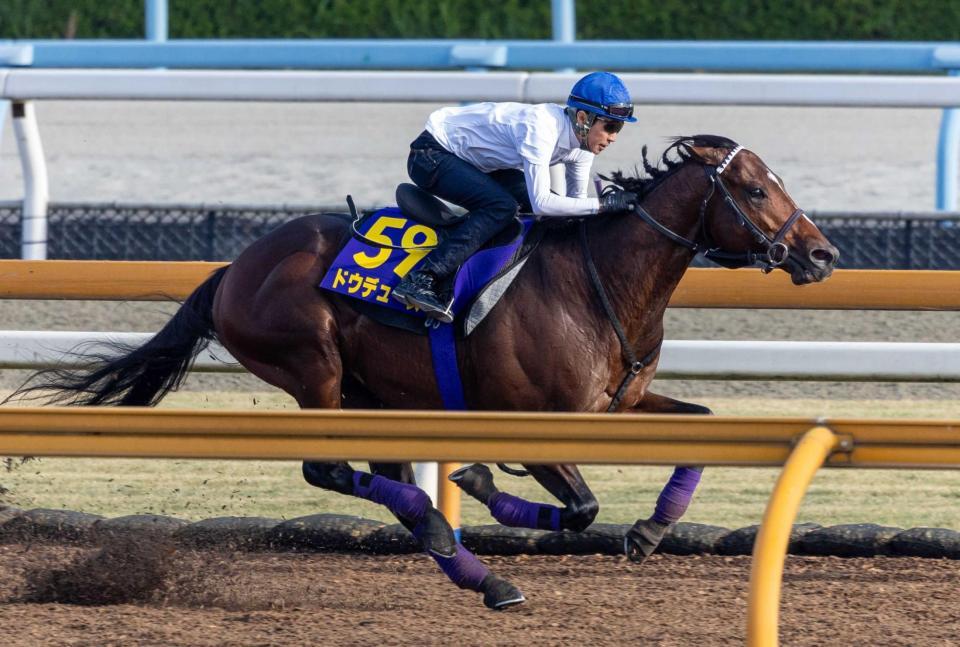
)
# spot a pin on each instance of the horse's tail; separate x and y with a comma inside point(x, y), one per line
point(134, 375)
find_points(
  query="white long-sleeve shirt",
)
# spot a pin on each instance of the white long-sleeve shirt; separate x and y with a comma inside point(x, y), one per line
point(531, 138)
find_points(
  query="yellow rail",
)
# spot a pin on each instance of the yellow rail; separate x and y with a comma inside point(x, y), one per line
point(770, 547)
point(101, 280)
point(448, 436)
point(700, 288)
point(845, 290)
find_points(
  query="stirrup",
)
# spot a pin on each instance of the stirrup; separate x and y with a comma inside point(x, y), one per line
point(436, 317)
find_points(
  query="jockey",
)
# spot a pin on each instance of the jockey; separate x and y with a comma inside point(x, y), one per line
point(494, 159)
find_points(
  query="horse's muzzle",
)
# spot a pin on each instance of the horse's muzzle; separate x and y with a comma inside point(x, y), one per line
point(814, 265)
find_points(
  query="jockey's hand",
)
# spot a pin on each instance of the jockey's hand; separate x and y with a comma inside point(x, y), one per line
point(615, 199)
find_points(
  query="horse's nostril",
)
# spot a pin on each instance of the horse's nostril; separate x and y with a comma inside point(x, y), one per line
point(823, 256)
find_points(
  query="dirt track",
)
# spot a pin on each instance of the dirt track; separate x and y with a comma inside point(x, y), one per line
point(288, 599)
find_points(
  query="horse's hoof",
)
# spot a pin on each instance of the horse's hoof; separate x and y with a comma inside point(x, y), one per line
point(498, 594)
point(641, 540)
point(435, 534)
point(476, 480)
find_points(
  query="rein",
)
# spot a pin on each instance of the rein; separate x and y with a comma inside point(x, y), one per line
point(634, 366)
point(776, 253)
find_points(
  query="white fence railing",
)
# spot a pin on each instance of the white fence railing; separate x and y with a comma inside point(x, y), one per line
point(532, 87)
point(680, 359)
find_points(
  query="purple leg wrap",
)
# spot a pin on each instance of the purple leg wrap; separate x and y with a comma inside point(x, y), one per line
point(402, 499)
point(676, 495)
point(463, 569)
point(514, 511)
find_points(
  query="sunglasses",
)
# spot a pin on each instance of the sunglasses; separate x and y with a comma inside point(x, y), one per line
point(611, 126)
point(622, 110)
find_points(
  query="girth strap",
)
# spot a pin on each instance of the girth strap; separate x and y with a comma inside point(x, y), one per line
point(634, 366)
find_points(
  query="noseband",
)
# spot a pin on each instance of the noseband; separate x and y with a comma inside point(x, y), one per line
point(776, 252)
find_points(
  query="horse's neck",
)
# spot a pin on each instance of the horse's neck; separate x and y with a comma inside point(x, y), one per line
point(640, 267)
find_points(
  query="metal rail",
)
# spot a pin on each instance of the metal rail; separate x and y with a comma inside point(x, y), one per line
point(770, 547)
point(466, 436)
point(410, 53)
point(29, 84)
point(679, 359)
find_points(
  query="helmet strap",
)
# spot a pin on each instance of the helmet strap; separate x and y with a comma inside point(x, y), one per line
point(581, 130)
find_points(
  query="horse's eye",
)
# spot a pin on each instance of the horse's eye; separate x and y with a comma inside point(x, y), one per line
point(756, 193)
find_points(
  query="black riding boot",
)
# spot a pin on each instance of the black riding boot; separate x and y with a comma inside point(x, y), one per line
point(418, 289)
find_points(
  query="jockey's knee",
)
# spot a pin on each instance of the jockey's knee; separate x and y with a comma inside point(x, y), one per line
point(329, 476)
point(579, 515)
point(501, 209)
point(504, 209)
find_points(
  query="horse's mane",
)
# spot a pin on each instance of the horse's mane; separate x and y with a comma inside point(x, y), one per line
point(644, 180)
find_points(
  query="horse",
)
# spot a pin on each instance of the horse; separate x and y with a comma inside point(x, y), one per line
point(579, 330)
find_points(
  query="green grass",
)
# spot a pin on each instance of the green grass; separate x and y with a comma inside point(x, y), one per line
point(728, 497)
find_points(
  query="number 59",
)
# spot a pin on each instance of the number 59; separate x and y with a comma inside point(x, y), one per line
point(413, 248)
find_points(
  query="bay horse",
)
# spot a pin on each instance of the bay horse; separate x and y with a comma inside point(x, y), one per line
point(579, 330)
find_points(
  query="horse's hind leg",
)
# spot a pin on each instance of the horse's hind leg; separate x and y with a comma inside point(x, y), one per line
point(392, 485)
point(562, 481)
point(646, 534)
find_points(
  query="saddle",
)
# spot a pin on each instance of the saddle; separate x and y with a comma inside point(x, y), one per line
point(416, 203)
point(387, 243)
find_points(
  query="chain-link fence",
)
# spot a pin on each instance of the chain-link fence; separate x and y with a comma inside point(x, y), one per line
point(147, 232)
point(218, 232)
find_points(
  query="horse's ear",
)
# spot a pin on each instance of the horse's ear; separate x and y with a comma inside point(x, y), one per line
point(708, 155)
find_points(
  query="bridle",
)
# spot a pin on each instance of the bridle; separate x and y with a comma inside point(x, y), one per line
point(776, 252)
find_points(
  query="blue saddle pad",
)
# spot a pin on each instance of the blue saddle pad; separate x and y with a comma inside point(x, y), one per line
point(367, 272)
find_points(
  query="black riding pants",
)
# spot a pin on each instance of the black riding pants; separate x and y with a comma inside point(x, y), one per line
point(491, 199)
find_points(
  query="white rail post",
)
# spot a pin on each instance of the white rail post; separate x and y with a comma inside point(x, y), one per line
point(12, 55)
point(427, 475)
point(36, 194)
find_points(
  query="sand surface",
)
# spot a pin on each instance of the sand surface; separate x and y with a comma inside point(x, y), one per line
point(289, 599)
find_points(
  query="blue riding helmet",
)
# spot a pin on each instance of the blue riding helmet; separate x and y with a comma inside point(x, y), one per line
point(602, 94)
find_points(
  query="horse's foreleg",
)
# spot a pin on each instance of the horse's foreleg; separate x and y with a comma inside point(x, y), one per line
point(562, 481)
point(646, 534)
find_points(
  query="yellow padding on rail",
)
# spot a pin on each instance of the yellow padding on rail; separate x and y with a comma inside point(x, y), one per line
point(700, 288)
